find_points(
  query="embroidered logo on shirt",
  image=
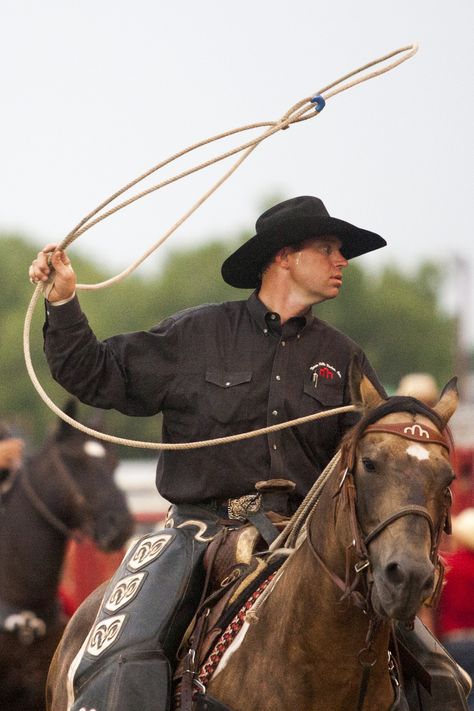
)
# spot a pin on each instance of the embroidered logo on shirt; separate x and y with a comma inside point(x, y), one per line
point(323, 370)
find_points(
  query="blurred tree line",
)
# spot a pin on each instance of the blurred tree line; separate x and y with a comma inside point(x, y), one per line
point(397, 319)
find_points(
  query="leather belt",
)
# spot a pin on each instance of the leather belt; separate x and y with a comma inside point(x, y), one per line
point(271, 495)
point(239, 508)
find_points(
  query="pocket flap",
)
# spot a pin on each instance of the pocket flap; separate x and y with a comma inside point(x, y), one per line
point(327, 393)
point(227, 380)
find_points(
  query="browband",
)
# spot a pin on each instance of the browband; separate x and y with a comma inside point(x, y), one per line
point(415, 432)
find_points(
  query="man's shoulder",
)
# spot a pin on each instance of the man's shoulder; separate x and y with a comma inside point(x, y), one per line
point(323, 328)
point(206, 312)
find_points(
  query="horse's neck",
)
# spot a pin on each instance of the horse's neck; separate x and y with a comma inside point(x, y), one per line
point(301, 647)
point(312, 604)
point(31, 550)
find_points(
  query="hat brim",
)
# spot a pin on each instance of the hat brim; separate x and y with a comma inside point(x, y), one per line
point(242, 268)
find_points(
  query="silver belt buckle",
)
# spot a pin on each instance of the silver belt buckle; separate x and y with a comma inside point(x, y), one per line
point(243, 506)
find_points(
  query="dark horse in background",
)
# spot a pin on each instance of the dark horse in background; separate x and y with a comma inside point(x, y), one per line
point(64, 489)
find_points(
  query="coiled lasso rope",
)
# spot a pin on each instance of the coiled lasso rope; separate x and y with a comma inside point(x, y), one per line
point(301, 111)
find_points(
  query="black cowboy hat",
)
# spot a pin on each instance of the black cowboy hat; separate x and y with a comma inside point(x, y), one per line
point(287, 223)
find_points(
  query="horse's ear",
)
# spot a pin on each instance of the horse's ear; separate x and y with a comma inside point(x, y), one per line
point(363, 393)
point(70, 408)
point(448, 401)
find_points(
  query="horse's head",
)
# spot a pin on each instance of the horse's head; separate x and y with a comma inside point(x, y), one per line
point(399, 458)
point(90, 499)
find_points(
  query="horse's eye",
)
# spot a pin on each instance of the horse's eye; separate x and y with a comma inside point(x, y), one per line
point(369, 464)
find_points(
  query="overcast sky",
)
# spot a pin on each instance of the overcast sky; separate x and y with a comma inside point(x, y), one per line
point(94, 92)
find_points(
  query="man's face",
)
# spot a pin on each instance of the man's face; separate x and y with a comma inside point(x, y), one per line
point(316, 269)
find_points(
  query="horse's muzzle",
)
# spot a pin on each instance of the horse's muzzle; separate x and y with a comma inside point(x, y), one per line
point(401, 585)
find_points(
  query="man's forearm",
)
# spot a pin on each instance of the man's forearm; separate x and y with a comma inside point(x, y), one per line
point(78, 361)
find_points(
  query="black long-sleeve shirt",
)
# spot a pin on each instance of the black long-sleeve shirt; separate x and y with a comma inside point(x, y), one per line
point(212, 371)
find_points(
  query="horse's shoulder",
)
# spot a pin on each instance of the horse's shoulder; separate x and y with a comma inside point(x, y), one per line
point(82, 620)
point(74, 635)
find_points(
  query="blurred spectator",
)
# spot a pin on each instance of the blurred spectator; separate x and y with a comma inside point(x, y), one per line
point(455, 617)
point(420, 385)
point(11, 453)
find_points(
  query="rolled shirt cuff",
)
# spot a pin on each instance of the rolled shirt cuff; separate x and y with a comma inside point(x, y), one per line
point(63, 301)
point(65, 313)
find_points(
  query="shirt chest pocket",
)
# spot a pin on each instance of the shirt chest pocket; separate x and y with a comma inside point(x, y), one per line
point(328, 393)
point(228, 395)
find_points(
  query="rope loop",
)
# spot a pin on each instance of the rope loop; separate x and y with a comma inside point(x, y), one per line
point(307, 108)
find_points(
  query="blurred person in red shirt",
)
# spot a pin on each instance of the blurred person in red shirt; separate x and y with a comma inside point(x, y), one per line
point(455, 615)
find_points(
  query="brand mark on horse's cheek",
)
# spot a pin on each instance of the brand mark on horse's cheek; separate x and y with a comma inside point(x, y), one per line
point(94, 449)
point(418, 451)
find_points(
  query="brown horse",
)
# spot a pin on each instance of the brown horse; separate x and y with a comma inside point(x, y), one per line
point(319, 640)
point(67, 487)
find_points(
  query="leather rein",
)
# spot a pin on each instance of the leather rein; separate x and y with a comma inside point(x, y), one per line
point(358, 575)
point(44, 510)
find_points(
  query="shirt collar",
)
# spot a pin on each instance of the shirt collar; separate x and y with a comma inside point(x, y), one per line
point(263, 317)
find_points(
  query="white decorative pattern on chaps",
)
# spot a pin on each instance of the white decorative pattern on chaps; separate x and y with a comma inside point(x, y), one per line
point(148, 549)
point(104, 634)
point(124, 591)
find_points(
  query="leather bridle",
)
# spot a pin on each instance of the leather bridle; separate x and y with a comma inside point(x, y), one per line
point(358, 582)
point(45, 511)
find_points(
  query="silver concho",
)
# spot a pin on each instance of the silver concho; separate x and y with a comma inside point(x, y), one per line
point(148, 549)
point(104, 634)
point(124, 591)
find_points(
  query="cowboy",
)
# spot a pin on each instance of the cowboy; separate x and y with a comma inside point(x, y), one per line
point(212, 371)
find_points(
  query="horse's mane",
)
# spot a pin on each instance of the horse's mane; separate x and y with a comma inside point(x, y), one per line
point(397, 403)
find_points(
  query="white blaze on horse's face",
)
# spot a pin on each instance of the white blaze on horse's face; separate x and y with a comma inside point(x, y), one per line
point(94, 449)
point(418, 451)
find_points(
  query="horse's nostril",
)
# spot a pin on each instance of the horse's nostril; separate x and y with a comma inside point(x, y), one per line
point(394, 573)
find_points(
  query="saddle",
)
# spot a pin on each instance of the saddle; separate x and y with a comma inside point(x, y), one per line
point(237, 568)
